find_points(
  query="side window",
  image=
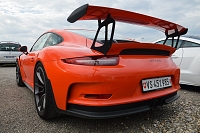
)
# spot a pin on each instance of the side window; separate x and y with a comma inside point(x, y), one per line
point(190, 44)
point(169, 43)
point(53, 39)
point(39, 44)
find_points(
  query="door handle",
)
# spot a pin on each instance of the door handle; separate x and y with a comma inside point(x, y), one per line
point(174, 56)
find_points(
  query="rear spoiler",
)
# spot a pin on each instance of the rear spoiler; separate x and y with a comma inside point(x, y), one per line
point(110, 15)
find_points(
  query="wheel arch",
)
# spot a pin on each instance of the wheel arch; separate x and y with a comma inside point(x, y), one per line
point(48, 82)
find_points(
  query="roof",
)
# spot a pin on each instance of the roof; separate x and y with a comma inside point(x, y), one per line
point(193, 37)
point(9, 42)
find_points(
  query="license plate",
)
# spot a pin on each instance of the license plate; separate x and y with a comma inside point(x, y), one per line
point(156, 83)
point(9, 57)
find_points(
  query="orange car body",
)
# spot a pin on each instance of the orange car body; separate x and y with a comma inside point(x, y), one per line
point(106, 91)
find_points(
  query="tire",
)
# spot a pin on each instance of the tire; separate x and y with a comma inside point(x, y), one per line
point(18, 76)
point(44, 99)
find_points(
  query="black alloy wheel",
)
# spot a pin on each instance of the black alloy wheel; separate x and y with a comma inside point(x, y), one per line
point(43, 95)
point(18, 76)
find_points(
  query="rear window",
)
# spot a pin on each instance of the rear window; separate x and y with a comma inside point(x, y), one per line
point(9, 47)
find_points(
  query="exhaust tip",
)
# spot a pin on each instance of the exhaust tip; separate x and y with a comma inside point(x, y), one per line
point(162, 102)
point(155, 103)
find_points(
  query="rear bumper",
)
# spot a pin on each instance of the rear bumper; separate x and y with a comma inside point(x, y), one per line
point(13, 61)
point(95, 112)
point(70, 84)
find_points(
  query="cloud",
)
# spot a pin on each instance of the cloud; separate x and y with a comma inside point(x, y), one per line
point(25, 20)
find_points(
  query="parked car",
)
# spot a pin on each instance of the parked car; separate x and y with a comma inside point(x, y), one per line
point(8, 52)
point(72, 74)
point(187, 57)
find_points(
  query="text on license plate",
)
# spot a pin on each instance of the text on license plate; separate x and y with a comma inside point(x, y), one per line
point(156, 83)
point(9, 57)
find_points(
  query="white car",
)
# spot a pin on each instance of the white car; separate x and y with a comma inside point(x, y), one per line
point(8, 52)
point(187, 57)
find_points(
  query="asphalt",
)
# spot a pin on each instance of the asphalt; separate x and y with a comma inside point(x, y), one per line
point(18, 114)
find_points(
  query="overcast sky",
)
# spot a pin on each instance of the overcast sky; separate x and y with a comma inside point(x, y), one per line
point(25, 20)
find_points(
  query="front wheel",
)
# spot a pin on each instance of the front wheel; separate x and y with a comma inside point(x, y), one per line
point(43, 94)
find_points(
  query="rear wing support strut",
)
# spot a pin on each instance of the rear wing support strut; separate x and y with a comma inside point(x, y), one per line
point(108, 41)
point(175, 34)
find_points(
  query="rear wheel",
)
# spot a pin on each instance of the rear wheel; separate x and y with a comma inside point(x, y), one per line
point(43, 94)
point(18, 76)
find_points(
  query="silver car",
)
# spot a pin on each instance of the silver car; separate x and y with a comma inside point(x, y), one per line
point(9, 52)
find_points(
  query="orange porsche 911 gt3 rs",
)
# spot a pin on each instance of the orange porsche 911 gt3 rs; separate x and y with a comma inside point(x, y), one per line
point(103, 76)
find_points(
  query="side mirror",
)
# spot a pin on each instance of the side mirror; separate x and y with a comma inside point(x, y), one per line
point(23, 49)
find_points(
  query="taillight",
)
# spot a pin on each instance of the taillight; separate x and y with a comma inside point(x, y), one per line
point(177, 77)
point(93, 61)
